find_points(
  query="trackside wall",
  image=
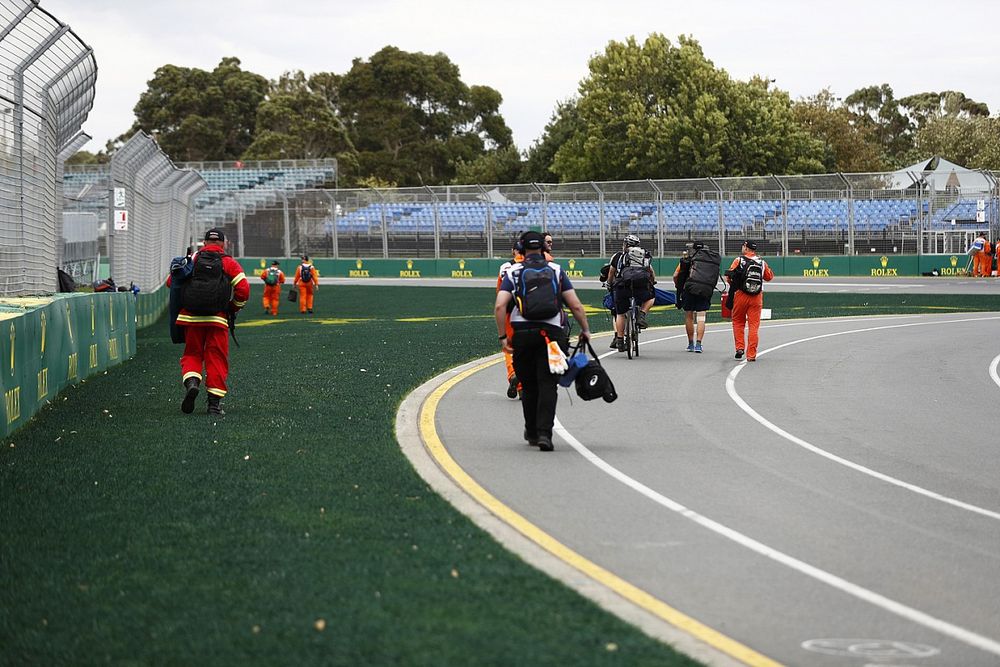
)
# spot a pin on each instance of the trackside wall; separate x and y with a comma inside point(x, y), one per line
point(827, 266)
point(49, 343)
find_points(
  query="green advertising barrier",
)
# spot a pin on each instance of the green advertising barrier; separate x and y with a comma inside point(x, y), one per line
point(884, 266)
point(945, 265)
point(804, 266)
point(55, 344)
point(794, 266)
point(149, 306)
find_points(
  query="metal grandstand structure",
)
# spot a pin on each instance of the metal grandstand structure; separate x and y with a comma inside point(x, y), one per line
point(839, 214)
point(902, 212)
point(47, 77)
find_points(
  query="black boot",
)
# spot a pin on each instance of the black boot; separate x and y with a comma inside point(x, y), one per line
point(191, 386)
point(215, 406)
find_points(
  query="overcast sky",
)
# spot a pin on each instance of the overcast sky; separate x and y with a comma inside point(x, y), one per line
point(535, 52)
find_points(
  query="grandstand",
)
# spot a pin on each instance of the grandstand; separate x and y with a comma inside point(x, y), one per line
point(286, 207)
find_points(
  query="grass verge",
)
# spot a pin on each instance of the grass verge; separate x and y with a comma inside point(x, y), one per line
point(293, 531)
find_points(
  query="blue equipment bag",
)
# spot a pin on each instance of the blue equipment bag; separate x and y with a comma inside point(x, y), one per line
point(577, 362)
point(181, 269)
point(662, 298)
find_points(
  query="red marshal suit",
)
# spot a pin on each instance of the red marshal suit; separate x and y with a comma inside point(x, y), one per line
point(206, 337)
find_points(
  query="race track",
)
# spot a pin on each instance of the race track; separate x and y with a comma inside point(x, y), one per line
point(835, 503)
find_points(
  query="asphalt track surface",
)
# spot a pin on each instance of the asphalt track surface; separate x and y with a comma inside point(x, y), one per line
point(836, 502)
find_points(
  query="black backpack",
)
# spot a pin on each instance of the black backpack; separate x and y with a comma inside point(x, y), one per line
point(66, 282)
point(306, 274)
point(209, 290)
point(704, 272)
point(752, 270)
point(536, 292)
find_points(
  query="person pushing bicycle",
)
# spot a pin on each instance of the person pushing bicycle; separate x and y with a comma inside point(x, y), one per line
point(631, 274)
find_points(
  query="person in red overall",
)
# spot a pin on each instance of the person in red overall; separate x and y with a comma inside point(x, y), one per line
point(748, 298)
point(219, 287)
point(273, 278)
point(307, 282)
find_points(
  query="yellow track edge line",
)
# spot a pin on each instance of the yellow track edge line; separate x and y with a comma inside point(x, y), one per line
point(640, 598)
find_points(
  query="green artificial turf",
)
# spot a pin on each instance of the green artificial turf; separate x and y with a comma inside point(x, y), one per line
point(293, 532)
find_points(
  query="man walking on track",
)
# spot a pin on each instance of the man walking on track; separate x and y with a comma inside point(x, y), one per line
point(217, 289)
point(538, 289)
point(746, 277)
point(273, 278)
point(307, 280)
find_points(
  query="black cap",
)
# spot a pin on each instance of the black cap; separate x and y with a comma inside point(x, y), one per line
point(275, 263)
point(215, 234)
point(751, 245)
point(532, 241)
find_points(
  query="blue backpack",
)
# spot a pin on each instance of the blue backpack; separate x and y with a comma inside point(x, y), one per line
point(537, 291)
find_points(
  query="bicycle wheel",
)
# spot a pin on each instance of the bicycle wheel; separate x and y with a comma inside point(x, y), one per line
point(635, 330)
point(627, 332)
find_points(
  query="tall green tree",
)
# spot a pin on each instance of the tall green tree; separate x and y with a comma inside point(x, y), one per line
point(971, 142)
point(496, 167)
point(412, 118)
point(877, 111)
point(300, 120)
point(656, 110)
point(200, 115)
point(924, 107)
point(564, 123)
point(847, 146)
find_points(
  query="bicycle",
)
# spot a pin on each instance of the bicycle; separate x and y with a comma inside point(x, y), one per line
point(631, 329)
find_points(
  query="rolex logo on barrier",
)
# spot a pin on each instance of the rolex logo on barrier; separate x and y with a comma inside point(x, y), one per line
point(358, 272)
point(461, 273)
point(572, 271)
point(884, 271)
point(815, 271)
point(409, 272)
point(954, 269)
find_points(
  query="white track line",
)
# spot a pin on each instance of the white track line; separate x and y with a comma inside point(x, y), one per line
point(993, 370)
point(961, 634)
point(731, 390)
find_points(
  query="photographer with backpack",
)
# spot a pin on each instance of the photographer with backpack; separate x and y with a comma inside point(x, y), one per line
point(537, 290)
point(695, 278)
point(746, 277)
point(273, 278)
point(307, 280)
point(631, 273)
point(216, 289)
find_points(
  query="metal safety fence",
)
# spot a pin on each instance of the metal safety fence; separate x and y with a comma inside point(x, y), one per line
point(47, 77)
point(901, 212)
point(829, 214)
point(151, 212)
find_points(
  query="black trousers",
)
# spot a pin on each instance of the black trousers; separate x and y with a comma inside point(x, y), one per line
point(539, 387)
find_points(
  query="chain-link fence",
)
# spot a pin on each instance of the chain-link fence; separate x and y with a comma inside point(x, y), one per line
point(47, 77)
point(151, 210)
